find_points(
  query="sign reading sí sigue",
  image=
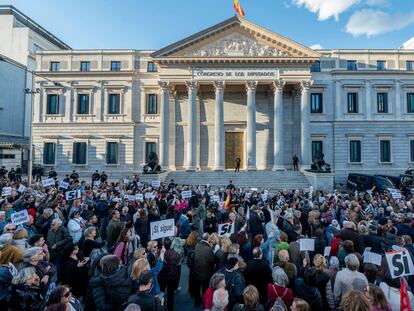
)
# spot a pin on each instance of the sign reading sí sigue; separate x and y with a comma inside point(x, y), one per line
point(235, 74)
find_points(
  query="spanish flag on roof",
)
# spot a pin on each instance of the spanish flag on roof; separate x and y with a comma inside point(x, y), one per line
point(238, 8)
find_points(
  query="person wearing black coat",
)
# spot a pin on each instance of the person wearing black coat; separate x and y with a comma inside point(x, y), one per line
point(210, 223)
point(348, 233)
point(141, 227)
point(74, 272)
point(112, 287)
point(256, 222)
point(307, 290)
point(26, 292)
point(203, 267)
point(374, 241)
point(259, 274)
point(235, 283)
point(169, 275)
point(143, 298)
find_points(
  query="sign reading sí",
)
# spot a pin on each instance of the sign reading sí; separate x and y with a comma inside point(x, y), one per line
point(235, 74)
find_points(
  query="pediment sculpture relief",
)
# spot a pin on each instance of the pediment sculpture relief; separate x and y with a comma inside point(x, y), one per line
point(237, 45)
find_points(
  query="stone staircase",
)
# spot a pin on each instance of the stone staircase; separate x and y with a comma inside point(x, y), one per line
point(272, 181)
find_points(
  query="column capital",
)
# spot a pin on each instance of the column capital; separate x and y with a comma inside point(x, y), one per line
point(164, 85)
point(219, 85)
point(397, 81)
point(278, 85)
point(305, 85)
point(191, 85)
point(367, 81)
point(251, 86)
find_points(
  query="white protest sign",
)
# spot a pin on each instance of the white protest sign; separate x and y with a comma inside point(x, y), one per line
point(321, 200)
point(186, 194)
point(131, 198)
point(310, 192)
point(148, 195)
point(72, 195)
point(247, 195)
point(22, 188)
point(281, 202)
point(155, 183)
point(126, 181)
point(374, 258)
point(48, 182)
point(307, 244)
point(253, 189)
point(6, 191)
point(97, 183)
point(396, 195)
point(162, 229)
point(369, 191)
point(264, 197)
point(139, 197)
point(366, 250)
point(221, 205)
point(19, 218)
point(64, 185)
point(215, 198)
point(327, 251)
point(400, 263)
point(225, 229)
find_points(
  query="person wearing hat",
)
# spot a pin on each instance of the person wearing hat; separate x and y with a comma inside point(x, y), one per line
point(234, 282)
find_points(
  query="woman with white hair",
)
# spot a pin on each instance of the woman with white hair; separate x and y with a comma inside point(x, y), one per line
point(33, 258)
point(220, 299)
point(349, 279)
point(26, 293)
point(278, 289)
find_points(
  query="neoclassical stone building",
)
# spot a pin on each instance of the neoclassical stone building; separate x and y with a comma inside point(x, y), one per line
point(234, 89)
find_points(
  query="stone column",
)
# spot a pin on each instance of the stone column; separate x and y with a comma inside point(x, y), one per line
point(278, 135)
point(219, 126)
point(338, 107)
point(251, 125)
point(191, 126)
point(164, 123)
point(398, 108)
point(305, 137)
point(368, 103)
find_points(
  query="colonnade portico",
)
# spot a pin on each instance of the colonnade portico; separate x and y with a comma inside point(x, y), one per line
point(277, 86)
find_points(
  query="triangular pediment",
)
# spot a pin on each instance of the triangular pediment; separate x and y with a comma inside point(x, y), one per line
point(237, 38)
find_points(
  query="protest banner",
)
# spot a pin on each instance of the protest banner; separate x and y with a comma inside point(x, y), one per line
point(247, 195)
point(366, 250)
point(221, 205)
point(148, 195)
point(22, 188)
point(48, 182)
point(186, 194)
point(97, 183)
point(321, 200)
point(162, 229)
point(396, 195)
point(155, 183)
point(131, 198)
point(6, 191)
point(72, 195)
point(126, 181)
point(400, 263)
point(139, 197)
point(310, 192)
point(19, 218)
point(253, 189)
point(264, 196)
point(306, 244)
point(64, 185)
point(374, 258)
point(225, 229)
point(327, 251)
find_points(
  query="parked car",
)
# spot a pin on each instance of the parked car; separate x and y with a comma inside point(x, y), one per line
point(363, 182)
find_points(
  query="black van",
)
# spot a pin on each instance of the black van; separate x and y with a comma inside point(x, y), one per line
point(362, 182)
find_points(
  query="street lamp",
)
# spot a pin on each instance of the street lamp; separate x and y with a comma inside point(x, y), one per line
point(28, 91)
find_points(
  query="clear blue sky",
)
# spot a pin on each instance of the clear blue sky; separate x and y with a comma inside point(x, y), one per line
point(152, 24)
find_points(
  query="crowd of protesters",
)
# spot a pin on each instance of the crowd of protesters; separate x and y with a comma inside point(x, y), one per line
point(95, 252)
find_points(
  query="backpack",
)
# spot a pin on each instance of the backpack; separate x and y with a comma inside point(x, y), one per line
point(279, 304)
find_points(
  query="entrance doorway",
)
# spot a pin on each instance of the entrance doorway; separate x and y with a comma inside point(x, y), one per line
point(233, 148)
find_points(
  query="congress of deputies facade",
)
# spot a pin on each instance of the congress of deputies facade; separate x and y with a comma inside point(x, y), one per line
point(234, 89)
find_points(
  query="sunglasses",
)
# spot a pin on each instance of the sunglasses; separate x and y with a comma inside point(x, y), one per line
point(156, 246)
point(10, 230)
point(67, 295)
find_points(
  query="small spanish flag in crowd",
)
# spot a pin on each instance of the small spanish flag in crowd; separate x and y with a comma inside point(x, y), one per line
point(238, 8)
point(227, 202)
point(405, 304)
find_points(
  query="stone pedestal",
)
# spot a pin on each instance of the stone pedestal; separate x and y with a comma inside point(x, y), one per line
point(320, 181)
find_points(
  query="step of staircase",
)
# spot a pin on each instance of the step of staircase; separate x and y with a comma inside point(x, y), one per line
point(269, 180)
